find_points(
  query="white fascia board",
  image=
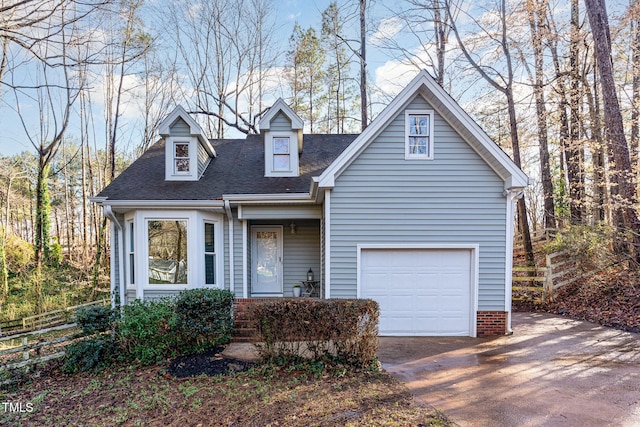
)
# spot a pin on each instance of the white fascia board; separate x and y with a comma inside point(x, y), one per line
point(165, 124)
point(280, 105)
point(269, 198)
point(98, 200)
point(167, 204)
point(207, 146)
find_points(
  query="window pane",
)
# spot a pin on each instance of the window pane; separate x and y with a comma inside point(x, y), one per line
point(167, 252)
point(418, 145)
point(280, 145)
point(210, 269)
point(418, 125)
point(281, 162)
point(132, 269)
point(182, 150)
point(131, 242)
point(182, 165)
point(209, 238)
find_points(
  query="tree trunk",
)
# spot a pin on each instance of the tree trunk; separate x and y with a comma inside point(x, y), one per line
point(616, 139)
point(363, 66)
point(536, 16)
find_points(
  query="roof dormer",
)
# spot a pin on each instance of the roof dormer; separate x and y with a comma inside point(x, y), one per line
point(187, 151)
point(281, 130)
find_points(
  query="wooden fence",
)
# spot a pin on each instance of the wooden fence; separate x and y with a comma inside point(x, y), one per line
point(34, 353)
point(559, 271)
point(44, 320)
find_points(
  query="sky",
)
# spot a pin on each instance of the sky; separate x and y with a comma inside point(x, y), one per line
point(386, 73)
point(13, 138)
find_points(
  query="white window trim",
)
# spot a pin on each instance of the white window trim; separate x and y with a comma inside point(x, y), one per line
point(130, 222)
point(195, 249)
point(407, 152)
point(170, 170)
point(175, 158)
point(218, 232)
point(293, 154)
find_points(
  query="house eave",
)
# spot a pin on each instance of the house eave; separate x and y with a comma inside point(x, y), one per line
point(275, 198)
point(160, 204)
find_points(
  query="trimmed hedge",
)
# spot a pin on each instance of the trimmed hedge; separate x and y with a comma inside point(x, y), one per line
point(204, 317)
point(346, 329)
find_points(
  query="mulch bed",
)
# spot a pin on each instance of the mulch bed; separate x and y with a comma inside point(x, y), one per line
point(210, 363)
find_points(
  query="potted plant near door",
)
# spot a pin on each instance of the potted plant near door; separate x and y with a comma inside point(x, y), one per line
point(297, 290)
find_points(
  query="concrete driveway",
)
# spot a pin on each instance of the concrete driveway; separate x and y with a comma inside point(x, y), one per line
point(552, 371)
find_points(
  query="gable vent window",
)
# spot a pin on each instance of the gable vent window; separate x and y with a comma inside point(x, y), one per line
point(181, 157)
point(419, 135)
point(281, 154)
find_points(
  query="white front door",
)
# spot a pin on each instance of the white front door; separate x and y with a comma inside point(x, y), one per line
point(266, 256)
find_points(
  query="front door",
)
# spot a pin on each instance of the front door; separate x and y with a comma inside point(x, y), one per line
point(266, 260)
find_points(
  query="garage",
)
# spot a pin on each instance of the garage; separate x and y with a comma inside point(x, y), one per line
point(421, 291)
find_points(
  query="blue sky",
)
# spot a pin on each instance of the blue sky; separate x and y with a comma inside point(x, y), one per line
point(306, 12)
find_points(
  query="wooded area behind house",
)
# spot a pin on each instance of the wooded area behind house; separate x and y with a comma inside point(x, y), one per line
point(555, 84)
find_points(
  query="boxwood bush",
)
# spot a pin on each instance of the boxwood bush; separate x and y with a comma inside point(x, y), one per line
point(343, 329)
point(94, 319)
point(204, 317)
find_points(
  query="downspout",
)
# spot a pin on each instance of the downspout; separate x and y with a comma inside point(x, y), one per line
point(232, 278)
point(108, 212)
point(511, 195)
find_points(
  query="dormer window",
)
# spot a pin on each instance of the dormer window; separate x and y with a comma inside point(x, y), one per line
point(281, 154)
point(187, 152)
point(181, 158)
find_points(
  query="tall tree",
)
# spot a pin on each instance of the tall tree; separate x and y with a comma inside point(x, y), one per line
point(306, 59)
point(616, 140)
point(536, 13)
point(503, 82)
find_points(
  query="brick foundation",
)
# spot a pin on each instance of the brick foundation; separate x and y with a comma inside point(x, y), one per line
point(491, 323)
point(242, 332)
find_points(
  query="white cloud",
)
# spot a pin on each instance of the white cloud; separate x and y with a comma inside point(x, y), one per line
point(387, 29)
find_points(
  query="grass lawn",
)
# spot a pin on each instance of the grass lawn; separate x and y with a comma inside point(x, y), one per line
point(263, 396)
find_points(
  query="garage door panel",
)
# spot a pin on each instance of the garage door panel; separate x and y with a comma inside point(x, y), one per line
point(420, 291)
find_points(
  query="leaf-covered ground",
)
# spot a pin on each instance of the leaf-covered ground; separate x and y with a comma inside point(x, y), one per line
point(262, 396)
point(611, 298)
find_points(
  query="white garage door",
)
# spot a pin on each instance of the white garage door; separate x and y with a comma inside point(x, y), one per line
point(421, 292)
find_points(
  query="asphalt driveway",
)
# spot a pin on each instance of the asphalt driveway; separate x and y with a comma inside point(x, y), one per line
point(552, 371)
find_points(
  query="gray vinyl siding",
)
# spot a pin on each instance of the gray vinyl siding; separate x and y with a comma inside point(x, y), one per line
point(203, 159)
point(454, 198)
point(280, 123)
point(180, 128)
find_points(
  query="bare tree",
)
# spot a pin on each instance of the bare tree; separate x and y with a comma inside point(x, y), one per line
point(616, 140)
point(502, 82)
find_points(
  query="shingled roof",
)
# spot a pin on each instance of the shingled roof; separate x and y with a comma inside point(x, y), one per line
point(237, 169)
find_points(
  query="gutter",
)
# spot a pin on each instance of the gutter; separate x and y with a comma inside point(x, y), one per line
point(108, 212)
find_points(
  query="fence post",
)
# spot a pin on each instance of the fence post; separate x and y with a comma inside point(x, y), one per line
point(548, 282)
point(25, 354)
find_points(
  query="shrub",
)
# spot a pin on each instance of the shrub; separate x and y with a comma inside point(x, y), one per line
point(19, 254)
point(145, 331)
point(204, 317)
point(319, 329)
point(92, 354)
point(94, 319)
point(590, 246)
